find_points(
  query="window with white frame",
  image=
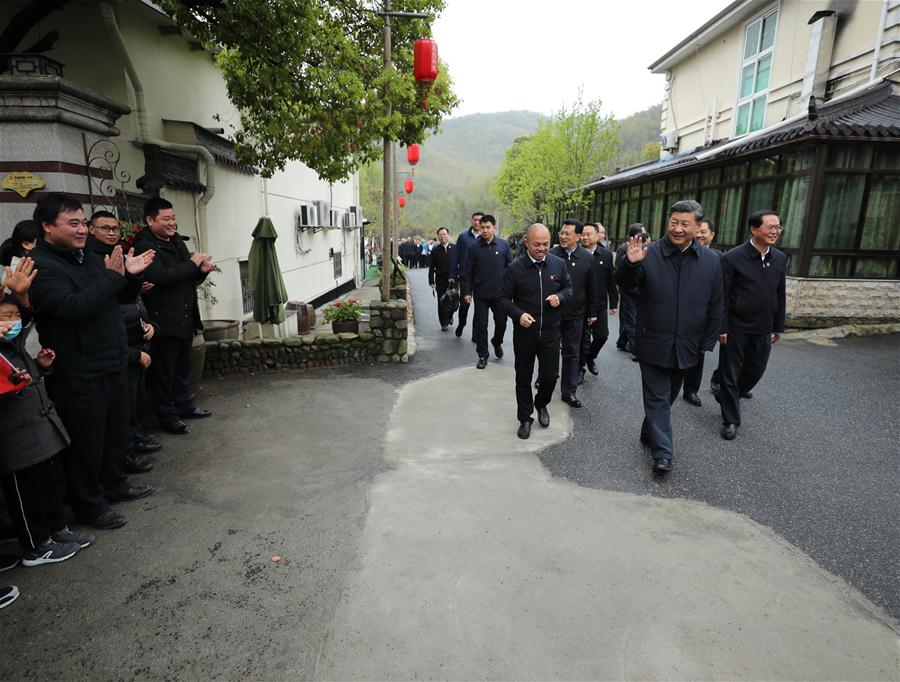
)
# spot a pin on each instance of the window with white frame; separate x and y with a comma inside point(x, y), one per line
point(756, 72)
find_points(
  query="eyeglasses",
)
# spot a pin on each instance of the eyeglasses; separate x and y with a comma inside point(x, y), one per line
point(109, 229)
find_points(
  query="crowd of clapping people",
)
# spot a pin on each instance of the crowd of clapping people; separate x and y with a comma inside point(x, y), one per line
point(95, 337)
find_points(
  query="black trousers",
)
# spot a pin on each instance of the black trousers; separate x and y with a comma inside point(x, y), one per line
point(169, 379)
point(480, 324)
point(627, 322)
point(528, 346)
point(34, 498)
point(95, 413)
point(570, 332)
point(660, 387)
point(464, 314)
point(137, 400)
point(441, 284)
point(742, 363)
point(693, 377)
point(592, 340)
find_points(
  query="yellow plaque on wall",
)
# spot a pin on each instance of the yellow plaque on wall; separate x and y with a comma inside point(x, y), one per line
point(23, 182)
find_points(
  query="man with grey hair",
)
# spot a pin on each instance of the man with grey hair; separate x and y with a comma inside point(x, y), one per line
point(678, 288)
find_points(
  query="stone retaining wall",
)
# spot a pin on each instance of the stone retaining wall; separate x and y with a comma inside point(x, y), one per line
point(815, 302)
point(386, 341)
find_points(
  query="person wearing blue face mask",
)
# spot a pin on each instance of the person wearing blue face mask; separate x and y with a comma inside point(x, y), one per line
point(31, 477)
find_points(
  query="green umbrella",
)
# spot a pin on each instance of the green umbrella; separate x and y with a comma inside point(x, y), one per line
point(266, 282)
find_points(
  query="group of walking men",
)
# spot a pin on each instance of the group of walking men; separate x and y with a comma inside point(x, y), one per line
point(679, 297)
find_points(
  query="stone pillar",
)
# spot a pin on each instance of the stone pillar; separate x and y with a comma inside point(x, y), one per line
point(46, 124)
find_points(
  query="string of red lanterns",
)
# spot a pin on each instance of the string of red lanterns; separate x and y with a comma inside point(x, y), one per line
point(425, 70)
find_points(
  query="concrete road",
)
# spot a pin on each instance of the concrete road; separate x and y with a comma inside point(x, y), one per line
point(326, 525)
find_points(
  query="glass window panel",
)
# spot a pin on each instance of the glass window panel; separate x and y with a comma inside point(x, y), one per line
point(711, 177)
point(658, 215)
point(762, 195)
point(792, 207)
point(763, 71)
point(768, 31)
point(887, 156)
point(659, 186)
point(674, 183)
point(709, 200)
point(758, 116)
point(857, 156)
point(764, 167)
point(634, 191)
point(751, 39)
point(735, 172)
point(876, 268)
point(646, 189)
point(747, 80)
point(830, 266)
point(742, 125)
point(690, 181)
point(840, 211)
point(730, 215)
point(797, 161)
point(793, 264)
point(881, 231)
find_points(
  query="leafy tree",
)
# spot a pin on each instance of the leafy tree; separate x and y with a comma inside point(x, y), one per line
point(540, 170)
point(308, 78)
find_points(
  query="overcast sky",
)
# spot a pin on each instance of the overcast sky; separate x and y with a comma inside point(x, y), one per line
point(521, 54)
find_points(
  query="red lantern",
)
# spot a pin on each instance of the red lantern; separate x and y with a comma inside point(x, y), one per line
point(402, 201)
point(425, 60)
point(412, 154)
point(408, 185)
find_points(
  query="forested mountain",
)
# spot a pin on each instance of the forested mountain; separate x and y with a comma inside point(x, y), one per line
point(457, 167)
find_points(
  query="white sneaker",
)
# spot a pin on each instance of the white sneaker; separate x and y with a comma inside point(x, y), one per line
point(50, 552)
point(8, 595)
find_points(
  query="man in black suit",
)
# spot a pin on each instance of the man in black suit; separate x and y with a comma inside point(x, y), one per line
point(439, 273)
point(693, 377)
point(678, 285)
point(628, 303)
point(753, 276)
point(580, 308)
point(532, 290)
point(458, 268)
point(595, 335)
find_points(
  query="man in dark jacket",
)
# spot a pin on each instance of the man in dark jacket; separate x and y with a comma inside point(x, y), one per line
point(693, 377)
point(581, 304)
point(678, 285)
point(595, 335)
point(458, 266)
point(439, 273)
point(532, 290)
point(76, 299)
point(753, 275)
point(628, 302)
point(172, 303)
point(486, 261)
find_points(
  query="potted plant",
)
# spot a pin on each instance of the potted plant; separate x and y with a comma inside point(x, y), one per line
point(344, 315)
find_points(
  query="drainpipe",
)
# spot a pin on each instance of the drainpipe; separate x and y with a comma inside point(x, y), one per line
point(881, 25)
point(143, 129)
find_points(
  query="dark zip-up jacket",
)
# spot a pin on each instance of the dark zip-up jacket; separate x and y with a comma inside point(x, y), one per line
point(172, 302)
point(754, 290)
point(679, 303)
point(485, 265)
point(607, 292)
point(439, 262)
point(458, 258)
point(77, 310)
point(525, 288)
point(32, 429)
point(584, 301)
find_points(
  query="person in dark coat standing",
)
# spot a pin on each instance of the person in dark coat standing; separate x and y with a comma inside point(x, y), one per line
point(175, 274)
point(595, 335)
point(678, 285)
point(753, 276)
point(580, 308)
point(439, 273)
point(486, 261)
point(627, 300)
point(458, 267)
point(532, 290)
point(693, 377)
point(76, 302)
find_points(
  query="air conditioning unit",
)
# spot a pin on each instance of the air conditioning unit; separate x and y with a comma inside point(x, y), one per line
point(307, 216)
point(355, 216)
point(337, 217)
point(324, 209)
point(669, 141)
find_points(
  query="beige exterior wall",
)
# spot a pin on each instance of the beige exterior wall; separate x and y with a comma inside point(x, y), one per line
point(181, 84)
point(702, 87)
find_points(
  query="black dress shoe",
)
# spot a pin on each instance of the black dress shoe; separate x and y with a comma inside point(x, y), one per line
point(459, 331)
point(729, 431)
point(196, 413)
point(482, 363)
point(571, 400)
point(662, 466)
point(524, 429)
point(543, 416)
point(109, 520)
point(693, 399)
point(592, 367)
point(747, 396)
point(142, 447)
point(645, 441)
point(177, 427)
point(498, 351)
point(137, 465)
point(131, 493)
